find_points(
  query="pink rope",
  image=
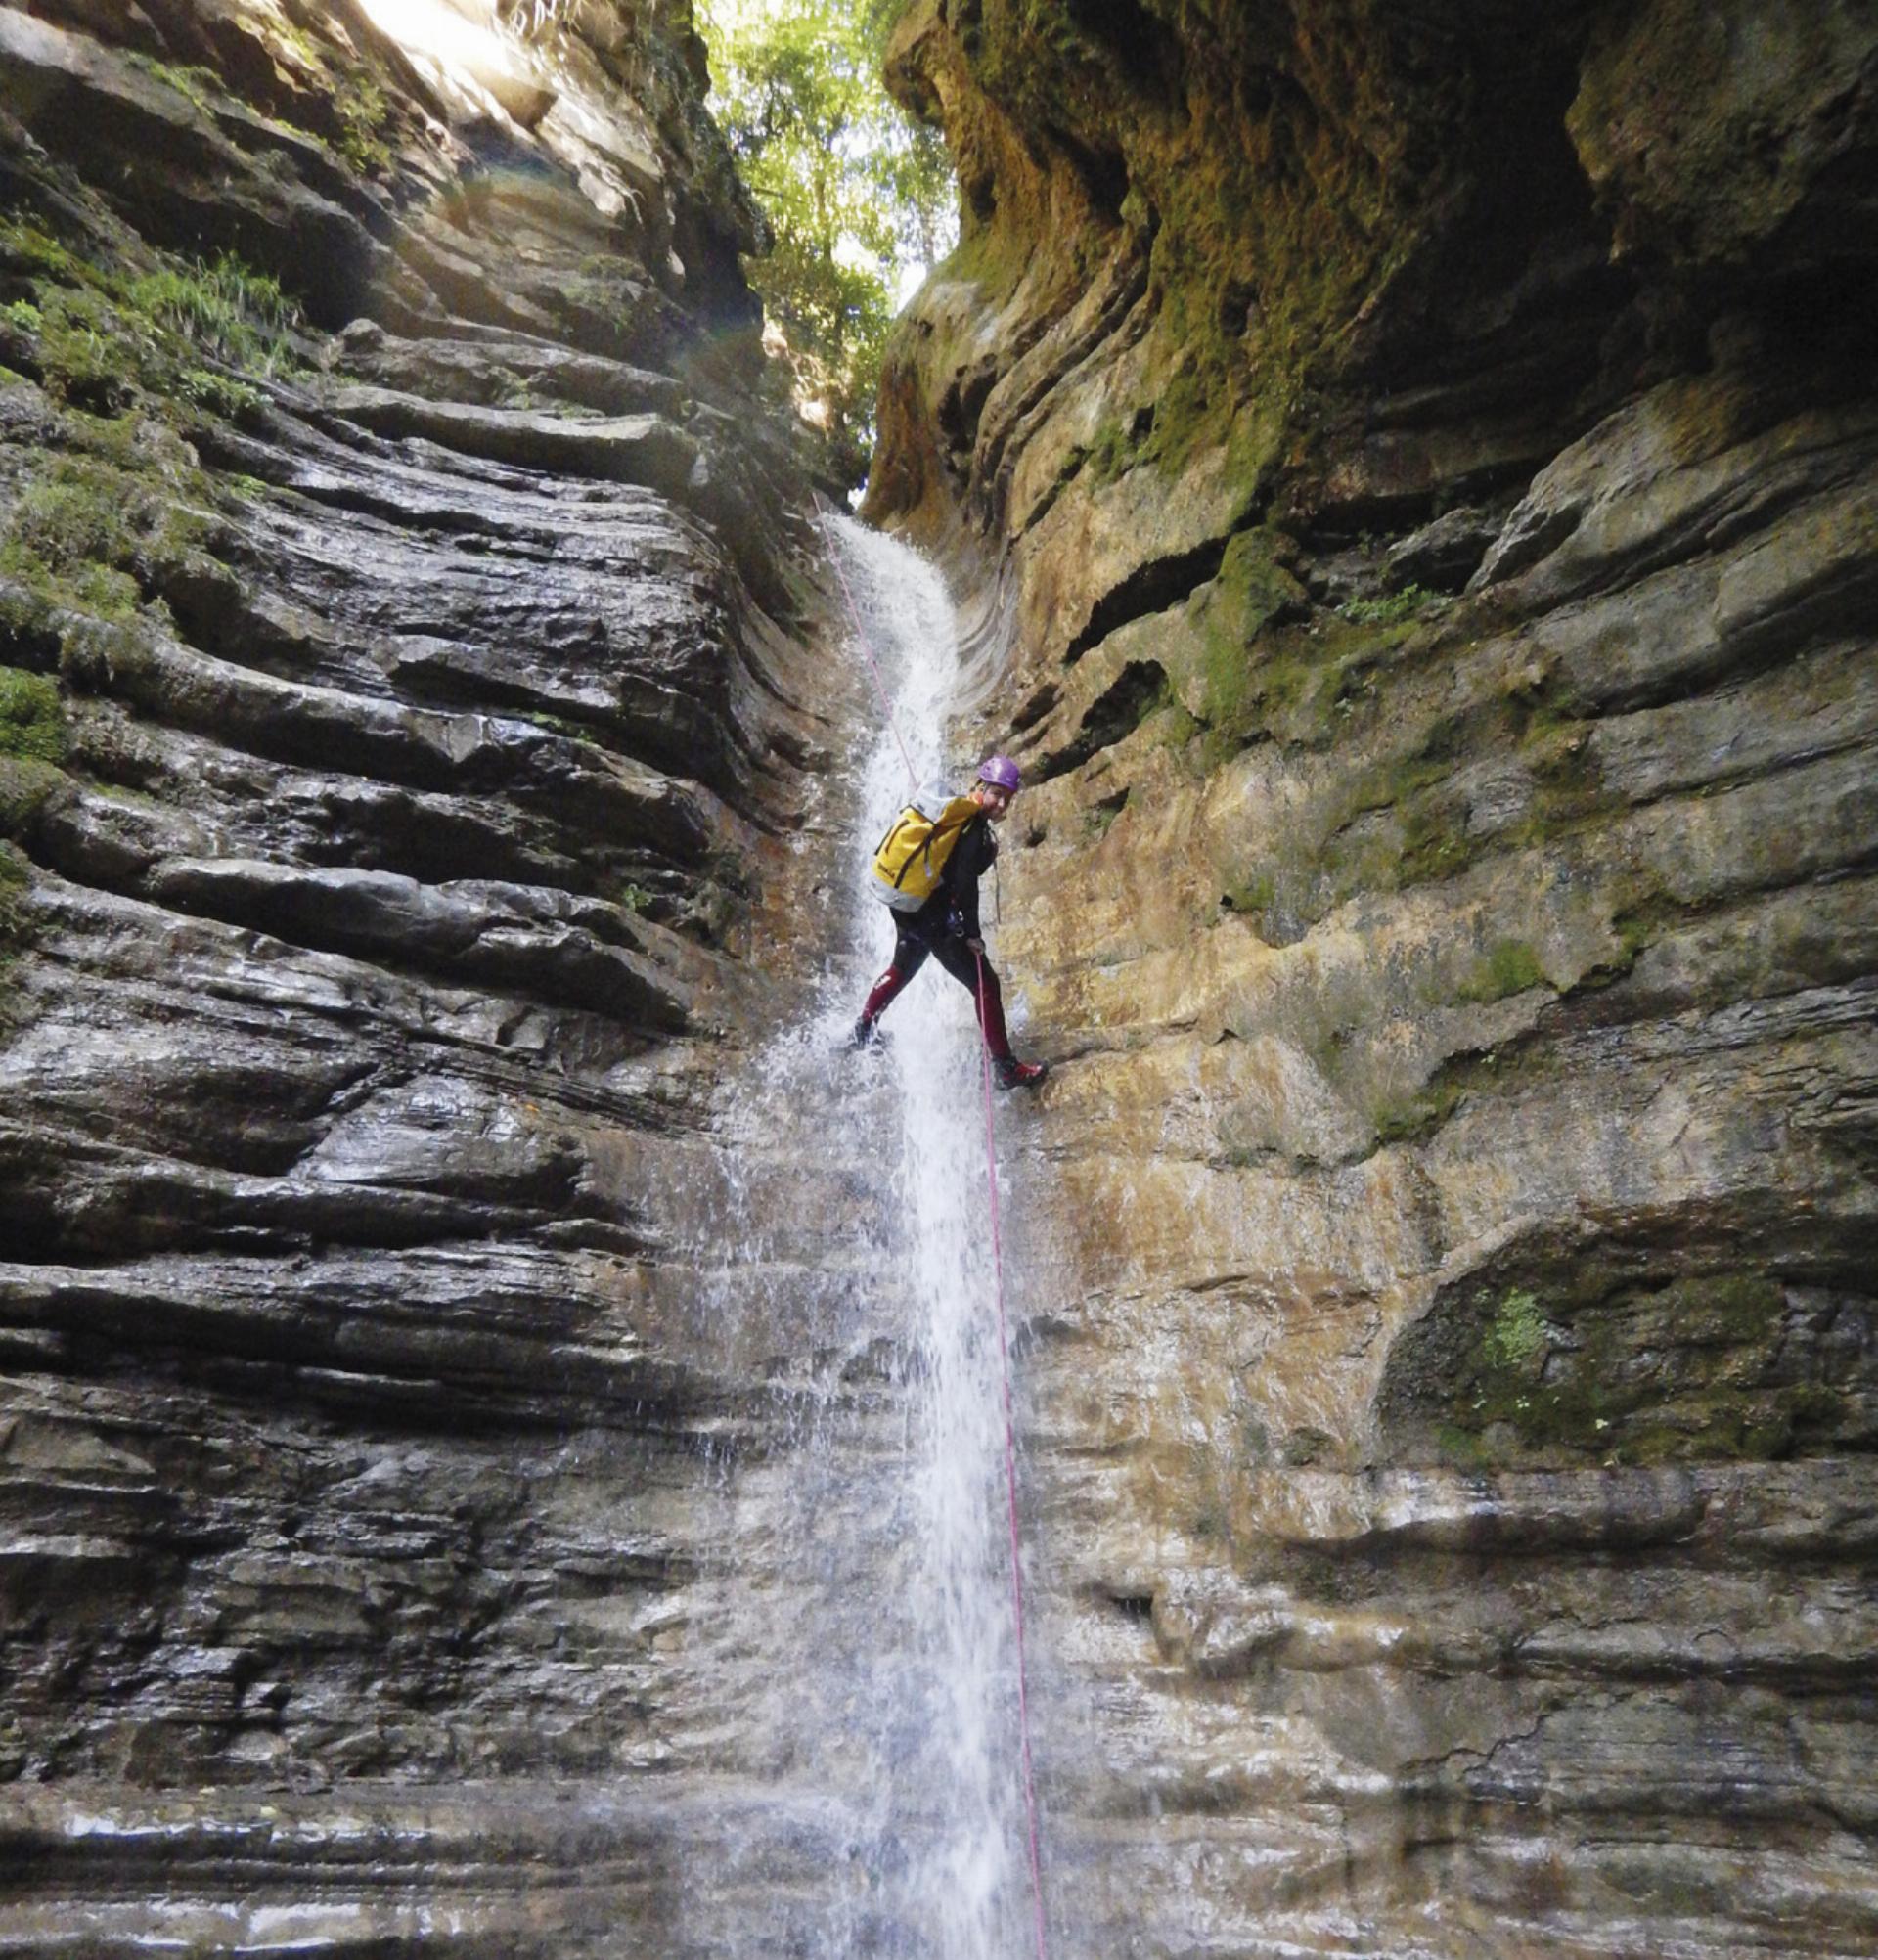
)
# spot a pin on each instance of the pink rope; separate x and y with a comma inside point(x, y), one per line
point(1011, 1482)
point(1031, 1833)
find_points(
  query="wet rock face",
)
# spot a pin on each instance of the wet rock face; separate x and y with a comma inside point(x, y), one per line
point(1416, 477)
point(401, 756)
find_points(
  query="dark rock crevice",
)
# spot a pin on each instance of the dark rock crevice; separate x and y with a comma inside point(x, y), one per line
point(1150, 589)
point(1118, 711)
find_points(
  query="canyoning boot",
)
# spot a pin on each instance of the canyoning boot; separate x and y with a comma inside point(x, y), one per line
point(1014, 1073)
point(868, 1035)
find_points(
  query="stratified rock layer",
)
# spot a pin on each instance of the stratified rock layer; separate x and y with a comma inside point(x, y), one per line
point(1415, 468)
point(403, 783)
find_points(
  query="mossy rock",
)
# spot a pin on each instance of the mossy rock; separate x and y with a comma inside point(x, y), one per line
point(26, 786)
point(97, 535)
point(1256, 664)
point(187, 335)
point(1414, 1118)
point(1395, 609)
point(1570, 1366)
point(15, 927)
point(32, 719)
point(1509, 967)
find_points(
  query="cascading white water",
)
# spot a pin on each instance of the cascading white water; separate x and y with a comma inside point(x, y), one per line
point(968, 1870)
point(867, 1656)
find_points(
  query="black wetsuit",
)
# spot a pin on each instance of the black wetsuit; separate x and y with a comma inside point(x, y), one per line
point(940, 928)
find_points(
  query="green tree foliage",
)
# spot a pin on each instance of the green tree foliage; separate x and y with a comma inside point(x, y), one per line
point(855, 194)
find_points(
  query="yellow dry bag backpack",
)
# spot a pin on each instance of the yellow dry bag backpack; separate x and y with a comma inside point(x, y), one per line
point(911, 856)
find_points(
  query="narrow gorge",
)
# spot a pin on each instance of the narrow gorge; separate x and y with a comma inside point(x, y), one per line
point(499, 1445)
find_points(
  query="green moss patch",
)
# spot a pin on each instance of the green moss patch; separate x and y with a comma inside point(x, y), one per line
point(32, 722)
point(101, 337)
point(1110, 452)
point(1415, 1117)
point(91, 535)
point(1404, 819)
point(1570, 1366)
point(1411, 603)
point(1267, 668)
point(203, 86)
point(1510, 966)
point(1252, 897)
point(27, 787)
point(16, 928)
point(1516, 1336)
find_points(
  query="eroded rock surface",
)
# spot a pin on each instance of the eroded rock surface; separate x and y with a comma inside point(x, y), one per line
point(407, 770)
point(1415, 468)
point(1413, 472)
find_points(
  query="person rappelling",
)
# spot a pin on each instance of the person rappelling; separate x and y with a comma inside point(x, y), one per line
point(927, 869)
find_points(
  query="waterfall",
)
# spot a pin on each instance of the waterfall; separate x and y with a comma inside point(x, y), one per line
point(886, 1708)
point(959, 1583)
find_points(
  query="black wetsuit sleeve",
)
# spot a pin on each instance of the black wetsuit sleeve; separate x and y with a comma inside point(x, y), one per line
point(971, 860)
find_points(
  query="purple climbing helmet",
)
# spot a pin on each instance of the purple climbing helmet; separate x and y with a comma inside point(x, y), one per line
point(1001, 773)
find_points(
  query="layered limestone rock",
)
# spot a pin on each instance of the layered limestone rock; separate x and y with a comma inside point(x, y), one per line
point(1415, 469)
point(405, 779)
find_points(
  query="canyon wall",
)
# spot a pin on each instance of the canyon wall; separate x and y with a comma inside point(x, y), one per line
point(406, 786)
point(1411, 472)
point(1414, 473)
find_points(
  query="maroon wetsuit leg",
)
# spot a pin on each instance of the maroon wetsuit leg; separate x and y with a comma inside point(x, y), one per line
point(973, 971)
point(885, 991)
point(908, 956)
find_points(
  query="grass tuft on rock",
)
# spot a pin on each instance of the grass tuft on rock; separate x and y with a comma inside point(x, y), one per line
point(239, 316)
point(1411, 603)
point(363, 116)
point(100, 339)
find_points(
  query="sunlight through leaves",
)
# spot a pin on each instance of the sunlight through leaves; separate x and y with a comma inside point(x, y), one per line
point(859, 199)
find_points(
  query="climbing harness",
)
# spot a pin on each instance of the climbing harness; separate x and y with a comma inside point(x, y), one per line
point(1029, 1780)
